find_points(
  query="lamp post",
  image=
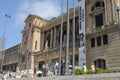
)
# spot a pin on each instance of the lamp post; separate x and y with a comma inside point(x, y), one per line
point(4, 40)
point(67, 44)
point(118, 11)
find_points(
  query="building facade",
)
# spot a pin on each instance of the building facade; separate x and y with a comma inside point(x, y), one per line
point(41, 38)
point(12, 58)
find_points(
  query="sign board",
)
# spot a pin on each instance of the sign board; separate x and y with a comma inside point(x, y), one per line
point(82, 36)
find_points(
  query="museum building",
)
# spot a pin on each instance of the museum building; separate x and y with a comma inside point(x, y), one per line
point(41, 38)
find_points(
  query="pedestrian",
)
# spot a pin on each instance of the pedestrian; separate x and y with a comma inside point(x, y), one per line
point(43, 69)
point(92, 67)
point(56, 66)
point(35, 72)
point(84, 68)
point(46, 69)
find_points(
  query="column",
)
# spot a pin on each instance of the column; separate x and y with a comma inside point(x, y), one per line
point(39, 42)
point(32, 62)
point(54, 43)
point(42, 41)
point(51, 38)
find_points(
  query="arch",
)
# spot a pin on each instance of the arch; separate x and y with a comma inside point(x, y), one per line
point(97, 4)
point(100, 63)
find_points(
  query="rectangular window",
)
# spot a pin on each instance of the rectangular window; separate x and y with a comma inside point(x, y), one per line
point(29, 24)
point(105, 39)
point(93, 42)
point(99, 20)
point(98, 41)
point(35, 45)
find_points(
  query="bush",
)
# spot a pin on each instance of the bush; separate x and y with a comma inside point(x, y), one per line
point(99, 70)
point(78, 72)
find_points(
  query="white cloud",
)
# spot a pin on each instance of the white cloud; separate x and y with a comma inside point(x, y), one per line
point(44, 8)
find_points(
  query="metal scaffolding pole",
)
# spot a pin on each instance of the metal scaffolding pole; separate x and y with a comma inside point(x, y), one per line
point(73, 55)
point(61, 38)
point(67, 45)
point(4, 40)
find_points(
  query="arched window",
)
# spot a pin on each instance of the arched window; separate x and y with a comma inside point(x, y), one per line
point(97, 12)
point(98, 4)
point(100, 63)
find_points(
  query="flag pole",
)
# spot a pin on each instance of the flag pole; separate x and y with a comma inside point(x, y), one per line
point(67, 45)
point(61, 38)
point(73, 55)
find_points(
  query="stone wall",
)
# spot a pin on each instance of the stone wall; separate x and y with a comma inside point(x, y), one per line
point(109, 76)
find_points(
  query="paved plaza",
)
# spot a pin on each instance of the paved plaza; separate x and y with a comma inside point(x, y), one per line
point(108, 76)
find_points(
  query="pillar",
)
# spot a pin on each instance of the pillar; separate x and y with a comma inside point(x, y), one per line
point(51, 38)
point(54, 43)
point(32, 62)
point(42, 41)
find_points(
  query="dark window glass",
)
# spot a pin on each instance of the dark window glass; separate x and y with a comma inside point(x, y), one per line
point(93, 8)
point(99, 20)
point(98, 41)
point(98, 4)
point(103, 5)
point(105, 39)
point(93, 42)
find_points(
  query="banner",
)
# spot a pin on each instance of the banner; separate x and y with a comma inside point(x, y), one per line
point(82, 37)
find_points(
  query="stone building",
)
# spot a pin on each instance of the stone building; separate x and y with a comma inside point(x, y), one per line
point(12, 58)
point(41, 38)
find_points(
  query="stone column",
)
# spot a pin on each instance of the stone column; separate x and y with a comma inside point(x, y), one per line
point(51, 38)
point(54, 43)
point(42, 41)
point(39, 42)
point(32, 62)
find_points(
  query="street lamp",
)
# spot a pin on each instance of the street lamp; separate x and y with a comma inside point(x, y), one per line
point(118, 11)
point(4, 40)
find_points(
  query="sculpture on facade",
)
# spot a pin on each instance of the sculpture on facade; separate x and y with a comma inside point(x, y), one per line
point(46, 45)
point(64, 39)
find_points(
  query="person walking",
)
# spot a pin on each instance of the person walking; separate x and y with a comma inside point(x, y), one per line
point(92, 68)
point(84, 68)
point(43, 69)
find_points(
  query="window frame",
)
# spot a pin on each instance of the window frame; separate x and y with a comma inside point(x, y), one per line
point(92, 42)
point(105, 39)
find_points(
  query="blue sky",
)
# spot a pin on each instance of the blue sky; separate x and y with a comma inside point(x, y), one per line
point(19, 10)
